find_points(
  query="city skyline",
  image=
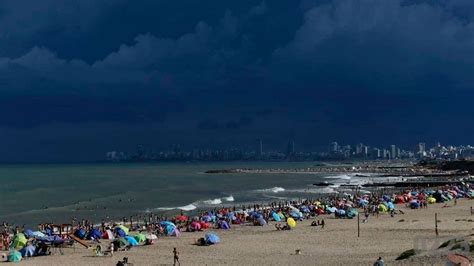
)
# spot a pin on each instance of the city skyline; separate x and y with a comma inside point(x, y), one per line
point(334, 151)
point(80, 79)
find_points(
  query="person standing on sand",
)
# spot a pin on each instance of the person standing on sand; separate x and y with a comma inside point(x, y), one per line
point(322, 224)
point(176, 257)
point(379, 262)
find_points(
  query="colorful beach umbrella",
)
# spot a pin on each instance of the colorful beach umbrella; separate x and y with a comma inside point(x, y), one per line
point(196, 226)
point(19, 241)
point(108, 234)
point(131, 241)
point(212, 238)
point(291, 222)
point(38, 234)
point(28, 233)
point(181, 218)
point(206, 218)
point(140, 238)
point(151, 237)
point(124, 228)
point(121, 242)
point(14, 256)
point(276, 217)
point(261, 221)
point(28, 251)
point(431, 200)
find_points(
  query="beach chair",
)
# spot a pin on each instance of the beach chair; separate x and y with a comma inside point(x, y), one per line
point(66, 230)
point(56, 230)
point(80, 241)
point(55, 243)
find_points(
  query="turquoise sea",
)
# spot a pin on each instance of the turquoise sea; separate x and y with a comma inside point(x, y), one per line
point(30, 194)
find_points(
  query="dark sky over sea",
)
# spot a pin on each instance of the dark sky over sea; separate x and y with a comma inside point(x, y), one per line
point(79, 78)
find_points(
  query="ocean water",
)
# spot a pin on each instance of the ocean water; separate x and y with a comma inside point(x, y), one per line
point(31, 194)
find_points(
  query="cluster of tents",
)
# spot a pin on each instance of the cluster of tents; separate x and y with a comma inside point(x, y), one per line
point(31, 243)
point(120, 235)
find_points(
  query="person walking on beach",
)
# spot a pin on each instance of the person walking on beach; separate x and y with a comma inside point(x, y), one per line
point(176, 257)
point(379, 262)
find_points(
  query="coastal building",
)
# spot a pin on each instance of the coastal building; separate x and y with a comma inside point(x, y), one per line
point(393, 151)
point(421, 149)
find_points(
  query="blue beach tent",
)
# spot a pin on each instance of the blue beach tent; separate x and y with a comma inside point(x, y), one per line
point(212, 238)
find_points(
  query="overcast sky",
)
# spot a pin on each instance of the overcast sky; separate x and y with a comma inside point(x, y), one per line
point(82, 77)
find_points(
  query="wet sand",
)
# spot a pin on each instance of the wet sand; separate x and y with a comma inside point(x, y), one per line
point(337, 244)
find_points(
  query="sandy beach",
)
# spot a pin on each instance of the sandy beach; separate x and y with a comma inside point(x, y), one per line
point(336, 244)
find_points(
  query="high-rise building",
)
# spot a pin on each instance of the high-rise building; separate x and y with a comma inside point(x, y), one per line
point(366, 151)
point(376, 153)
point(359, 148)
point(421, 149)
point(259, 148)
point(290, 149)
point(393, 151)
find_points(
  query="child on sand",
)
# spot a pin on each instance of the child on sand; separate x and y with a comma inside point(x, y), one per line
point(176, 257)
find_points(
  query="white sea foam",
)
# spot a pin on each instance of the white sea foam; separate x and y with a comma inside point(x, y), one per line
point(345, 177)
point(188, 207)
point(213, 201)
point(166, 208)
point(229, 198)
point(273, 189)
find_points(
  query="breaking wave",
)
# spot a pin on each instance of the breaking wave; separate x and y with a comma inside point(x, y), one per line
point(213, 201)
point(273, 189)
point(188, 207)
point(345, 177)
point(229, 198)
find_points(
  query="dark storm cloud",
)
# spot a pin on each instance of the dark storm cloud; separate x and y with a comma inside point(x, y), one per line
point(215, 72)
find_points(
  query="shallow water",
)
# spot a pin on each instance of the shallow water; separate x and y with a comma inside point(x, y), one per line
point(45, 193)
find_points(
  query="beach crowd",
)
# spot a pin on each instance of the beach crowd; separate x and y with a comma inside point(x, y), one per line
point(104, 239)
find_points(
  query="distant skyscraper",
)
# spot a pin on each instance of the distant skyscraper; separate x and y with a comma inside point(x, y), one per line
point(140, 151)
point(421, 149)
point(290, 149)
point(393, 151)
point(259, 148)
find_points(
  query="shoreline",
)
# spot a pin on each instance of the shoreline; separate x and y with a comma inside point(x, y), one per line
point(336, 244)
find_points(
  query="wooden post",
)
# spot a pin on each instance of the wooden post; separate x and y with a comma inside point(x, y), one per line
point(436, 224)
point(358, 224)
